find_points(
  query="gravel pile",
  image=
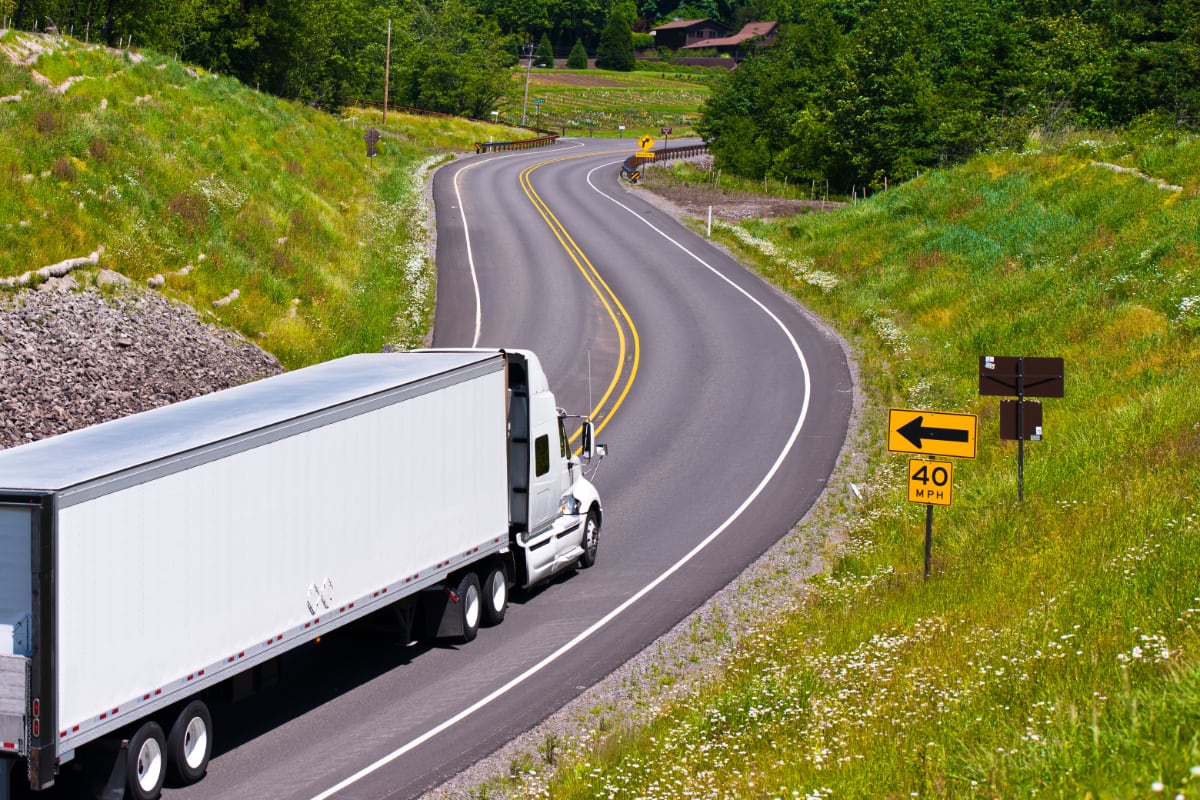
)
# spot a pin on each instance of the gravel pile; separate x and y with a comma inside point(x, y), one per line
point(69, 358)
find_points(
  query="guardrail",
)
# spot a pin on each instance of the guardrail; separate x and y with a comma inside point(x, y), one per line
point(631, 168)
point(686, 151)
point(520, 144)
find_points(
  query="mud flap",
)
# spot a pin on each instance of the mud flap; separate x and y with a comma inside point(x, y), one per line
point(6, 770)
point(105, 769)
point(440, 614)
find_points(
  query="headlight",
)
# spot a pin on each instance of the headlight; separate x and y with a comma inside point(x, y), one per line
point(569, 505)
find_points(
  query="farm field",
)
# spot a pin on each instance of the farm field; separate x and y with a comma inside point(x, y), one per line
point(597, 102)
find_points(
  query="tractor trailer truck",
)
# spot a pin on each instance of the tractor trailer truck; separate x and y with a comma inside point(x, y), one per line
point(152, 563)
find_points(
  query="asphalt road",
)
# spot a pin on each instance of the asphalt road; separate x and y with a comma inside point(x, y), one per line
point(723, 406)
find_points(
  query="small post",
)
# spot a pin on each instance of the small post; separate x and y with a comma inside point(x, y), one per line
point(1020, 430)
point(709, 230)
point(928, 538)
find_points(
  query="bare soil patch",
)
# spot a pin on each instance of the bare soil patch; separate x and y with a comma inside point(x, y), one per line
point(572, 79)
point(727, 205)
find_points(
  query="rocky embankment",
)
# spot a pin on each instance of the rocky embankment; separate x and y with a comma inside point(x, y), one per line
point(72, 357)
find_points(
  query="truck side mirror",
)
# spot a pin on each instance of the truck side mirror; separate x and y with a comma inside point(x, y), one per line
point(590, 449)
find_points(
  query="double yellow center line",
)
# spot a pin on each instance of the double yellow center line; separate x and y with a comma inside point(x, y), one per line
point(629, 355)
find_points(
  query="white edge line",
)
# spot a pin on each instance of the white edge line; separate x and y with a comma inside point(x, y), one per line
point(462, 212)
point(610, 616)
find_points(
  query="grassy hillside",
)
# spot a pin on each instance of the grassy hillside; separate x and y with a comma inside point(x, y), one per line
point(1055, 650)
point(218, 189)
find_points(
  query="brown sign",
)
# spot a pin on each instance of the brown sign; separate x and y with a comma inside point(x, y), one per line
point(371, 137)
point(1031, 420)
point(1013, 376)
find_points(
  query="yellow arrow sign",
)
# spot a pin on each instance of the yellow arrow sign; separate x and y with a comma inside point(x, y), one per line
point(932, 433)
point(646, 142)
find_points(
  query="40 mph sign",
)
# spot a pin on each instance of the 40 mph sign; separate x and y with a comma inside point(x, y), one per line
point(930, 482)
point(932, 433)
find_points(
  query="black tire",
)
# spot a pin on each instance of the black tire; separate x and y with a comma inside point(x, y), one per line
point(591, 539)
point(146, 763)
point(189, 746)
point(495, 596)
point(470, 605)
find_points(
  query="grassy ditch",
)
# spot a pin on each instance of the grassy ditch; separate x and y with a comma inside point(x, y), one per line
point(1055, 651)
point(220, 190)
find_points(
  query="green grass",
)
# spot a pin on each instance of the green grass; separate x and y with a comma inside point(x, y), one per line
point(1055, 651)
point(597, 102)
point(219, 188)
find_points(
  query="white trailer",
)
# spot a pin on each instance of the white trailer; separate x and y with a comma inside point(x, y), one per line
point(148, 561)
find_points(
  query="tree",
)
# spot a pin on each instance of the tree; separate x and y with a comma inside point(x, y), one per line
point(578, 59)
point(616, 42)
point(578, 19)
point(544, 55)
point(454, 61)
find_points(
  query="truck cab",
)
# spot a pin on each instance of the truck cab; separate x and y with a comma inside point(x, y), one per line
point(555, 511)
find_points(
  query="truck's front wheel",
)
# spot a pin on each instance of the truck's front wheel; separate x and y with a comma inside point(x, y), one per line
point(591, 539)
point(146, 762)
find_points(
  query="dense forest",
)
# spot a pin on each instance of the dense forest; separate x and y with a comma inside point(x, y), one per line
point(858, 92)
point(854, 92)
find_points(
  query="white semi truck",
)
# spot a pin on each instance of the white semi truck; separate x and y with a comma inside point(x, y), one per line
point(148, 563)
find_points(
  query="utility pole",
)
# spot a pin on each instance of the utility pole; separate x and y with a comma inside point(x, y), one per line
point(387, 67)
point(528, 50)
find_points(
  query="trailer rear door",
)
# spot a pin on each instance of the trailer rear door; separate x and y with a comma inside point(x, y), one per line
point(16, 527)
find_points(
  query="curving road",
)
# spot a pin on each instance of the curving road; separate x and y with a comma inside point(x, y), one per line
point(724, 408)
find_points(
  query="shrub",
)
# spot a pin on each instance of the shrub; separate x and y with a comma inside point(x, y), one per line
point(578, 59)
point(46, 122)
point(64, 170)
point(98, 148)
point(191, 208)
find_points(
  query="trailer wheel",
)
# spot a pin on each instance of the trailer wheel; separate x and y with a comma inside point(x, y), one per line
point(495, 596)
point(146, 762)
point(591, 539)
point(189, 746)
point(470, 605)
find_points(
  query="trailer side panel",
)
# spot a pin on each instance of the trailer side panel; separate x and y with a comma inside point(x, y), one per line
point(165, 582)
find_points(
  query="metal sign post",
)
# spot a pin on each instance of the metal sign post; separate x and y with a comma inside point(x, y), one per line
point(371, 137)
point(931, 433)
point(932, 483)
point(1025, 377)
